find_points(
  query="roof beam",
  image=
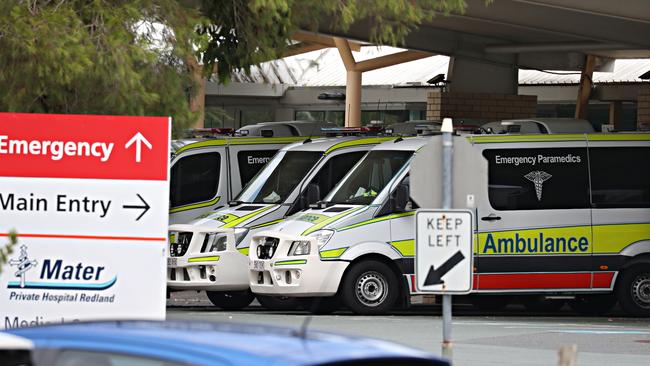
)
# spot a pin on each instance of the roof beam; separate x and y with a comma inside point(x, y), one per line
point(390, 60)
point(325, 40)
point(343, 46)
point(555, 47)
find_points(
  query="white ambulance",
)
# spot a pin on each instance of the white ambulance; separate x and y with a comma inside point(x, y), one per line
point(206, 174)
point(356, 244)
point(557, 216)
point(210, 253)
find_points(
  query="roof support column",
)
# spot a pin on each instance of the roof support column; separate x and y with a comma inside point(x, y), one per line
point(355, 69)
point(353, 99)
point(352, 84)
point(584, 89)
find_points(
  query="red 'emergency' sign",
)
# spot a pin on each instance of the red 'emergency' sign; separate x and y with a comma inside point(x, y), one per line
point(83, 146)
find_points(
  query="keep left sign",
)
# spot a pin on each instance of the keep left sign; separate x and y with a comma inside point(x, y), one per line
point(88, 197)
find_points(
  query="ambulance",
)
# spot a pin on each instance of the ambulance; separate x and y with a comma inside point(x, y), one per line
point(354, 246)
point(210, 252)
point(206, 174)
point(557, 217)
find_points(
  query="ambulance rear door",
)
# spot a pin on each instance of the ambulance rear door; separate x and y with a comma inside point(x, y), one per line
point(198, 181)
point(620, 194)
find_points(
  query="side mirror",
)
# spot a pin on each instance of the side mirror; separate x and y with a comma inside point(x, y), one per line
point(401, 198)
point(313, 194)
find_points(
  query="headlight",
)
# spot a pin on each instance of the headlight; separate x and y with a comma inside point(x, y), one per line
point(322, 236)
point(300, 247)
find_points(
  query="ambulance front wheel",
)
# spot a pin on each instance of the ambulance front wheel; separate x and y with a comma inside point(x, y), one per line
point(370, 287)
point(231, 300)
point(633, 290)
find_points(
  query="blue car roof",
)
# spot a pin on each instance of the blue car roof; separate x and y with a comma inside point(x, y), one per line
point(203, 343)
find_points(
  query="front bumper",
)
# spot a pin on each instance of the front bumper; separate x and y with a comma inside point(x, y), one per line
point(224, 270)
point(294, 276)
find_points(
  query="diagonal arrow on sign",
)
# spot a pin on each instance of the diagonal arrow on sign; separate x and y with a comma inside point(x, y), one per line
point(434, 277)
point(144, 208)
point(139, 139)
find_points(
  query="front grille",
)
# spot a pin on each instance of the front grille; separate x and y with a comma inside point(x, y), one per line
point(266, 250)
point(179, 248)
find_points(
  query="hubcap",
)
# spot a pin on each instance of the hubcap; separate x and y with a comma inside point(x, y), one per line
point(372, 289)
point(641, 290)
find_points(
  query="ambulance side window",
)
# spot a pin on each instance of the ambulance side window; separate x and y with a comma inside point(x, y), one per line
point(250, 162)
point(538, 179)
point(329, 175)
point(334, 170)
point(620, 177)
point(195, 178)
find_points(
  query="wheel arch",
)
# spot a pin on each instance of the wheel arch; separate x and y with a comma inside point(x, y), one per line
point(639, 248)
point(642, 258)
point(404, 293)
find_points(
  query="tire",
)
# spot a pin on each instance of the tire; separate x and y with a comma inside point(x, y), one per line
point(490, 302)
point(633, 290)
point(370, 287)
point(234, 300)
point(593, 305)
point(540, 304)
point(320, 305)
point(282, 303)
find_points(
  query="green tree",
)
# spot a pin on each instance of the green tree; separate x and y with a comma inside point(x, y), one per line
point(7, 249)
point(124, 57)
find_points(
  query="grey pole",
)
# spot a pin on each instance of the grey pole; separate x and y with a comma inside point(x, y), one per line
point(447, 153)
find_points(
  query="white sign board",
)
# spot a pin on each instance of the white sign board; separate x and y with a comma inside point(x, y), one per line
point(443, 256)
point(88, 197)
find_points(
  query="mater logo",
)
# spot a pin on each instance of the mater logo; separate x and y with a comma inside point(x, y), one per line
point(58, 275)
point(24, 264)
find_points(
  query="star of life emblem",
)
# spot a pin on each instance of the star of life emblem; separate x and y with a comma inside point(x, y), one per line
point(23, 263)
point(538, 177)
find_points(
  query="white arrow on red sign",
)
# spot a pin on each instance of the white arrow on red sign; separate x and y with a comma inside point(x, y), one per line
point(139, 139)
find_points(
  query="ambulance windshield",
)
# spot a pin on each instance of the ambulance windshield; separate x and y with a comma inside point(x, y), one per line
point(279, 177)
point(369, 178)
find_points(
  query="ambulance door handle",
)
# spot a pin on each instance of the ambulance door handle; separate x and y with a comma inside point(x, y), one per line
point(491, 217)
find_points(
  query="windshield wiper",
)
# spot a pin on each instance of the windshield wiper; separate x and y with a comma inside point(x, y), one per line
point(235, 203)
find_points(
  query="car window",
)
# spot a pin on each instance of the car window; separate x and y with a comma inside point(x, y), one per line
point(620, 177)
point(250, 162)
point(88, 358)
point(279, 177)
point(370, 177)
point(334, 170)
point(537, 179)
point(194, 178)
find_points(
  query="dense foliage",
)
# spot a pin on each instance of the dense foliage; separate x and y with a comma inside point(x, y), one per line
point(121, 57)
point(149, 57)
point(247, 32)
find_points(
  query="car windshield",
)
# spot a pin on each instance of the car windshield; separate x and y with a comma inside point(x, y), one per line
point(279, 177)
point(369, 178)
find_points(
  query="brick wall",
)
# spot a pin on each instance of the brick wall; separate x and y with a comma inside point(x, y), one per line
point(480, 106)
point(643, 110)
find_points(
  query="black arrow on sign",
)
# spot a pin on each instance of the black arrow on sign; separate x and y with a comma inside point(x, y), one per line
point(434, 277)
point(146, 207)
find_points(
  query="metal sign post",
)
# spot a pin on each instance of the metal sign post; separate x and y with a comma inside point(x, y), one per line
point(443, 237)
point(447, 153)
